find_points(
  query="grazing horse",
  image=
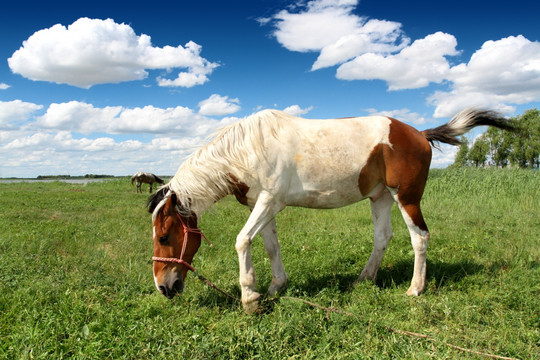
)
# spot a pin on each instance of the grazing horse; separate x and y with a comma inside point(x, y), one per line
point(271, 160)
point(148, 178)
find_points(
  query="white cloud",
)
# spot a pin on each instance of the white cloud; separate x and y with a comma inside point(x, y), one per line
point(85, 118)
point(444, 156)
point(375, 36)
point(59, 153)
point(415, 66)
point(404, 115)
point(500, 73)
point(331, 28)
point(15, 111)
point(52, 152)
point(94, 51)
point(217, 105)
point(321, 24)
point(296, 110)
point(4, 86)
point(366, 49)
point(51, 143)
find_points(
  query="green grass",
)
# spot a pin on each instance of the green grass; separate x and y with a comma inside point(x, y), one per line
point(76, 278)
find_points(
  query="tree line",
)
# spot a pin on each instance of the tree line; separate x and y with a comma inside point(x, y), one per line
point(500, 148)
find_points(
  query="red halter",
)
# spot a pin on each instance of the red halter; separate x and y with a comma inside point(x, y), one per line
point(181, 260)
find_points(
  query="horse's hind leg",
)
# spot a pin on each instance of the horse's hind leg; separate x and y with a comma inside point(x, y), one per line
point(419, 238)
point(271, 244)
point(381, 206)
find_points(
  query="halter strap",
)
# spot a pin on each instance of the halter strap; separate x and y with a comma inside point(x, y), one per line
point(181, 260)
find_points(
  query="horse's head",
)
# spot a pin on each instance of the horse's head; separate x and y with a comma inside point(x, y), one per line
point(176, 240)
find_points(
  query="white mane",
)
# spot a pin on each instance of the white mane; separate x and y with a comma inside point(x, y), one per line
point(205, 177)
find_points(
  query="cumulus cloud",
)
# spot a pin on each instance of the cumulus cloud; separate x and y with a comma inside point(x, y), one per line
point(330, 28)
point(365, 49)
point(444, 156)
point(52, 152)
point(296, 110)
point(217, 105)
point(15, 111)
point(94, 51)
point(415, 66)
point(405, 115)
point(500, 73)
point(50, 145)
point(85, 118)
point(4, 86)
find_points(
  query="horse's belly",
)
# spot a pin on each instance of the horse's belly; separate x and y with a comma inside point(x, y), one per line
point(332, 194)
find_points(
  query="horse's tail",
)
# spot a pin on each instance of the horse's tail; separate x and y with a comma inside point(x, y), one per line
point(462, 123)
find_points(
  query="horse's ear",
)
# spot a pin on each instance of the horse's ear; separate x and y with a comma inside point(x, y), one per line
point(156, 198)
point(174, 199)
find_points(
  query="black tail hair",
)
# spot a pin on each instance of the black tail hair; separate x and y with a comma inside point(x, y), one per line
point(463, 122)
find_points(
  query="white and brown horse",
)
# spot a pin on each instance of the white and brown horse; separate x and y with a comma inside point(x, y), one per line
point(144, 177)
point(271, 160)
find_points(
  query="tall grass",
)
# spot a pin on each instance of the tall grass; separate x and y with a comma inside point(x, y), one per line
point(76, 279)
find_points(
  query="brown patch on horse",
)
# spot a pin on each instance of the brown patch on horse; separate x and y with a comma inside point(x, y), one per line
point(373, 173)
point(408, 167)
point(239, 189)
point(402, 165)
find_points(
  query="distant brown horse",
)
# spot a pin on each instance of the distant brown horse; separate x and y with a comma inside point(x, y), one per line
point(148, 178)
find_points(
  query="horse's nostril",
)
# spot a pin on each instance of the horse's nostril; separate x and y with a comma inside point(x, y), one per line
point(163, 290)
point(178, 286)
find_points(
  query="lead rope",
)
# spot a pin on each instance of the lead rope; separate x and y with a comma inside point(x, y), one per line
point(212, 285)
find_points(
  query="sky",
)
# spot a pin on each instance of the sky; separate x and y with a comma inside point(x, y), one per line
point(118, 87)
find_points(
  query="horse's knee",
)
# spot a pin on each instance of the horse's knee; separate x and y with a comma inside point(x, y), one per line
point(243, 243)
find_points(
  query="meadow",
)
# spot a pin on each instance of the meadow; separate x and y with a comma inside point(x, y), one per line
point(76, 278)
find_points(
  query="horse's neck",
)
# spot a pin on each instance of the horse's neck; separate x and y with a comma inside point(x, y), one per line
point(200, 192)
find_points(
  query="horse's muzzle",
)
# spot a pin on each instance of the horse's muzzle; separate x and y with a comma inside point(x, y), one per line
point(171, 292)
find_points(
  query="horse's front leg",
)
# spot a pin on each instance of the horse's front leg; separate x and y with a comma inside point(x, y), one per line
point(264, 211)
point(271, 244)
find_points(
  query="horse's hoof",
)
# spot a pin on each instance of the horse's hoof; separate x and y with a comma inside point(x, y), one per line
point(276, 289)
point(413, 292)
point(364, 277)
point(252, 305)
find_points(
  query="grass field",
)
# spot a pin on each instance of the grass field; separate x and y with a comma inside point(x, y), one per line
point(76, 279)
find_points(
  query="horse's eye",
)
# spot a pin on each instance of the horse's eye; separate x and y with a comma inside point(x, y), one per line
point(163, 239)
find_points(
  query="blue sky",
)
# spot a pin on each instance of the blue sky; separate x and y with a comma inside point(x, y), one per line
point(116, 87)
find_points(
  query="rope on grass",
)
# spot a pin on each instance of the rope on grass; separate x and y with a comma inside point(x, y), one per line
point(397, 331)
point(339, 311)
